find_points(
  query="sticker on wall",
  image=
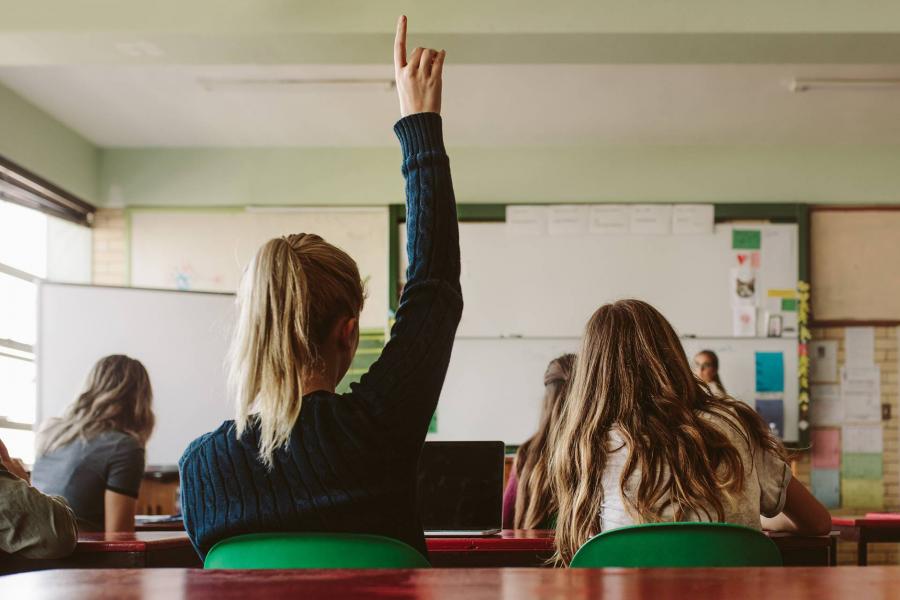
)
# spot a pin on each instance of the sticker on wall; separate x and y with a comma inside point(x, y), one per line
point(746, 239)
point(826, 486)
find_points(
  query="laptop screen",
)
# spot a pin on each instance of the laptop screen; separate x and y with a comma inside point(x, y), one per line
point(461, 485)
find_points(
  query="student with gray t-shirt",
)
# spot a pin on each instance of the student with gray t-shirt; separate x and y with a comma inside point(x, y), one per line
point(93, 456)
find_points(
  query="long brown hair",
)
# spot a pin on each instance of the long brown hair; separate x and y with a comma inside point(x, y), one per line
point(534, 498)
point(117, 396)
point(291, 295)
point(632, 375)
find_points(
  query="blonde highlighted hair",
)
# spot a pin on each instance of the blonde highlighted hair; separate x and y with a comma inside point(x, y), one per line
point(293, 292)
point(535, 504)
point(116, 397)
point(631, 374)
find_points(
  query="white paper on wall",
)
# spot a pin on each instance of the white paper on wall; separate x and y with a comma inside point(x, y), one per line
point(609, 219)
point(652, 219)
point(823, 361)
point(744, 321)
point(693, 218)
point(526, 220)
point(862, 438)
point(861, 393)
point(825, 405)
point(859, 346)
point(567, 219)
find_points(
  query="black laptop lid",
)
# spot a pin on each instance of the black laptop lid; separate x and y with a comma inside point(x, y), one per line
point(461, 485)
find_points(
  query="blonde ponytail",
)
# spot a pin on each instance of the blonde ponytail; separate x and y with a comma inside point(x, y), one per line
point(292, 293)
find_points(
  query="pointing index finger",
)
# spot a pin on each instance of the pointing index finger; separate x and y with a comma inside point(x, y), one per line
point(400, 43)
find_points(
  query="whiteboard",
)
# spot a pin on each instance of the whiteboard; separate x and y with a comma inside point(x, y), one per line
point(494, 386)
point(548, 286)
point(207, 250)
point(180, 337)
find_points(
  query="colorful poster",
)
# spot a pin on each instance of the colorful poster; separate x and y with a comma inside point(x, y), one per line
point(826, 448)
point(742, 285)
point(865, 494)
point(769, 371)
point(826, 486)
point(772, 412)
point(856, 465)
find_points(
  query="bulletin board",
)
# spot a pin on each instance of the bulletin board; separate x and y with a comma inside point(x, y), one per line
point(516, 285)
point(859, 245)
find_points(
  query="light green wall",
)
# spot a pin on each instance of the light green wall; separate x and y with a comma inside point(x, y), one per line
point(216, 177)
point(40, 143)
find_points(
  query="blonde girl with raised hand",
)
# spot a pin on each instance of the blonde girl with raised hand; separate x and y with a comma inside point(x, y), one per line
point(93, 456)
point(642, 440)
point(298, 456)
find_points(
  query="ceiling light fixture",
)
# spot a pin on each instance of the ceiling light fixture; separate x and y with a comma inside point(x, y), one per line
point(320, 85)
point(843, 84)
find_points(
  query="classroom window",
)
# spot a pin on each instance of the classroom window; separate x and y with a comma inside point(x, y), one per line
point(33, 246)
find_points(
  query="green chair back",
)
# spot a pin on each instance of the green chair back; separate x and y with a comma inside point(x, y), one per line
point(679, 545)
point(312, 551)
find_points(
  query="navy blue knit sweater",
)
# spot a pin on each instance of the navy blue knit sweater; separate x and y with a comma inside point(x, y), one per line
point(351, 462)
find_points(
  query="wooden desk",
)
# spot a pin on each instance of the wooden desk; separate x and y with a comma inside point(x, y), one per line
point(866, 530)
point(532, 548)
point(118, 551)
point(749, 583)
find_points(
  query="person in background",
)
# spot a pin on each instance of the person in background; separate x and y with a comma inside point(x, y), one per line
point(298, 456)
point(32, 524)
point(93, 456)
point(528, 500)
point(706, 366)
point(642, 440)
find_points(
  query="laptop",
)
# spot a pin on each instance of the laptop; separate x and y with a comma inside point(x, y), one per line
point(460, 488)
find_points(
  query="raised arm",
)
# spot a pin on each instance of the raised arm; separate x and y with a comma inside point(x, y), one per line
point(401, 389)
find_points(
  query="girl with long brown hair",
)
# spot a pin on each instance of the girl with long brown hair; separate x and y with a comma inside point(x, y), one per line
point(528, 502)
point(93, 456)
point(642, 440)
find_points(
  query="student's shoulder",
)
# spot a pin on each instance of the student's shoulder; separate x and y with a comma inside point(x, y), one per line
point(116, 441)
point(205, 441)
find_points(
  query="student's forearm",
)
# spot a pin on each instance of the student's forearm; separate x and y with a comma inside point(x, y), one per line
point(780, 522)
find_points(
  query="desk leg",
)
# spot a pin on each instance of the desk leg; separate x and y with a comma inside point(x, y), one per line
point(832, 552)
point(862, 551)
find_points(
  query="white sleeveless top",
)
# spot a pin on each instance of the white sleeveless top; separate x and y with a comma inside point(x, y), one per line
point(766, 479)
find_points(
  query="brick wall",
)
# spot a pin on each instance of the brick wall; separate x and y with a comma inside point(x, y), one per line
point(110, 253)
point(886, 348)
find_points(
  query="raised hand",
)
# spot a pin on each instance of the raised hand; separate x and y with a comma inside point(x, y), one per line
point(419, 78)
